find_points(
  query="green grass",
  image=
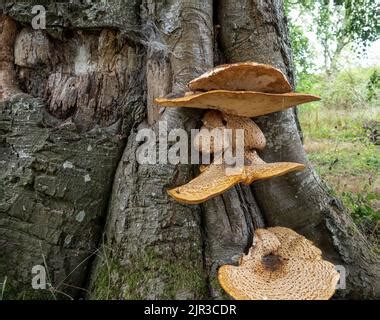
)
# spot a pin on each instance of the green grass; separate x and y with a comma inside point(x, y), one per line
point(337, 134)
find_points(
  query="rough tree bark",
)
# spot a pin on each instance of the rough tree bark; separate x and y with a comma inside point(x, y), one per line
point(68, 144)
point(60, 143)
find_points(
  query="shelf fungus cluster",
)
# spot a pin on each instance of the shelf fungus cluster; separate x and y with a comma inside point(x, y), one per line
point(281, 265)
point(234, 93)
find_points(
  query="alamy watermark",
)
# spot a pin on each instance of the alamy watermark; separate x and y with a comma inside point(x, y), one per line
point(341, 285)
point(39, 277)
point(39, 20)
point(177, 147)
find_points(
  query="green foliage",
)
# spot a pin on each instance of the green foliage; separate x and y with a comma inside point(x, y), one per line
point(366, 217)
point(360, 21)
point(302, 51)
point(339, 140)
point(302, 4)
point(342, 23)
point(373, 86)
point(337, 24)
point(307, 83)
point(360, 205)
point(353, 160)
point(349, 89)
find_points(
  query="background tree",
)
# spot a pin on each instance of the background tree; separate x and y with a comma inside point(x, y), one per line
point(337, 24)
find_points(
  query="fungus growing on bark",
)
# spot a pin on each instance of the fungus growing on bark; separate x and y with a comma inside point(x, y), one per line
point(213, 119)
point(240, 103)
point(210, 183)
point(257, 169)
point(213, 179)
point(236, 92)
point(8, 84)
point(211, 140)
point(281, 265)
point(245, 76)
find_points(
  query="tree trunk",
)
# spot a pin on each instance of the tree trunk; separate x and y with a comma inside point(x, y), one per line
point(68, 143)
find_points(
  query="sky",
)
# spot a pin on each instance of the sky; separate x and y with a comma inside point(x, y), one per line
point(373, 54)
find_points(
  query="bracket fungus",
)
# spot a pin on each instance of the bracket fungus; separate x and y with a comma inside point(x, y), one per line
point(244, 89)
point(213, 179)
point(210, 183)
point(281, 265)
point(236, 92)
point(257, 169)
point(240, 103)
point(246, 76)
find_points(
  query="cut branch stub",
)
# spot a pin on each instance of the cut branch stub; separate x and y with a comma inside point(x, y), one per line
point(246, 76)
point(281, 265)
point(8, 83)
point(214, 180)
point(240, 103)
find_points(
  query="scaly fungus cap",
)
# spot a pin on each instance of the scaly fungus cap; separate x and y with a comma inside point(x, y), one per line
point(240, 103)
point(213, 179)
point(210, 183)
point(258, 169)
point(281, 265)
point(212, 121)
point(253, 136)
point(246, 76)
point(211, 140)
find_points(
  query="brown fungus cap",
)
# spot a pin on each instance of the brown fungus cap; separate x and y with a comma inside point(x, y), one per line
point(210, 183)
point(240, 103)
point(203, 167)
point(245, 76)
point(213, 119)
point(211, 140)
point(258, 169)
point(213, 179)
point(281, 265)
point(212, 122)
point(253, 136)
